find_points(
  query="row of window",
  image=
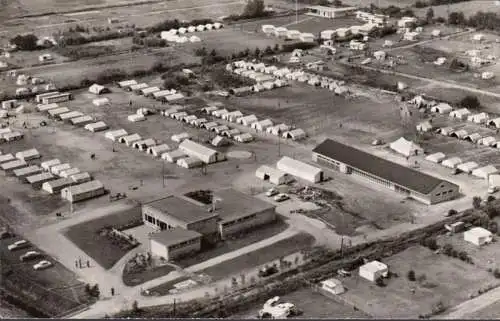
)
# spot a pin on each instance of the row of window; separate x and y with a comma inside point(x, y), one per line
point(241, 219)
point(445, 193)
point(162, 225)
point(372, 178)
point(183, 244)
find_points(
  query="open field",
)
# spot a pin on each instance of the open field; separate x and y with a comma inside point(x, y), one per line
point(446, 280)
point(468, 8)
point(312, 305)
point(87, 237)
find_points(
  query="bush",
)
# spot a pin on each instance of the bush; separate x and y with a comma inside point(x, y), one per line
point(476, 202)
point(380, 282)
point(447, 249)
point(411, 275)
point(25, 42)
point(452, 212)
point(490, 198)
point(470, 102)
point(300, 45)
point(463, 256)
point(430, 243)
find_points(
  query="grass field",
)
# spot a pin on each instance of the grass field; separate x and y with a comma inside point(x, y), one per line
point(446, 280)
point(133, 279)
point(85, 235)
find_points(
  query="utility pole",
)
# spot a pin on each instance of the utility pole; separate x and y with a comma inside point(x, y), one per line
point(163, 173)
point(173, 310)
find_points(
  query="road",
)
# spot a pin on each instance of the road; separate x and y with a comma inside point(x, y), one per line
point(467, 308)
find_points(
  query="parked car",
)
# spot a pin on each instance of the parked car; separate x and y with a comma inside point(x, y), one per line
point(42, 265)
point(29, 256)
point(281, 197)
point(271, 192)
point(18, 245)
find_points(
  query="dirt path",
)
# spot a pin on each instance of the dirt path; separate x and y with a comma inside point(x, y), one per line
point(466, 308)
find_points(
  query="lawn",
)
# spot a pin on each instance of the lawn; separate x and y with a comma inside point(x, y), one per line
point(262, 256)
point(440, 279)
point(164, 288)
point(85, 235)
point(140, 277)
point(251, 237)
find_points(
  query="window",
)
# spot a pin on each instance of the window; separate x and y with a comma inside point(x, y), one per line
point(438, 194)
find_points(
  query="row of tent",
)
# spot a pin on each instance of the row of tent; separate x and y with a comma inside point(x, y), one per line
point(165, 95)
point(469, 167)
point(75, 118)
point(282, 32)
point(475, 137)
point(9, 135)
point(198, 28)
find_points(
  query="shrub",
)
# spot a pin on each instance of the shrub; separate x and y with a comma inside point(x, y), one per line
point(490, 198)
point(430, 243)
point(452, 212)
point(493, 227)
point(25, 42)
point(470, 102)
point(411, 275)
point(476, 202)
point(463, 256)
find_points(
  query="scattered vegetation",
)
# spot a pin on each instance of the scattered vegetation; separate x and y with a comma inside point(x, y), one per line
point(253, 9)
point(142, 40)
point(85, 52)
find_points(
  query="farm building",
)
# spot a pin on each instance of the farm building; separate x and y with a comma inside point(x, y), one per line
point(487, 141)
point(404, 180)
point(115, 135)
point(174, 243)
point(173, 156)
point(262, 125)
point(56, 98)
point(441, 108)
point(53, 187)
point(81, 178)
point(157, 150)
point(98, 89)
point(11, 166)
point(330, 12)
point(9, 104)
point(178, 138)
point(58, 111)
point(136, 89)
point(84, 191)
point(70, 115)
point(189, 162)
point(29, 154)
point(129, 140)
point(244, 138)
point(436, 157)
point(273, 175)
point(373, 270)
point(295, 134)
point(48, 164)
point(332, 286)
point(247, 120)
point(101, 102)
point(126, 83)
point(56, 169)
point(207, 155)
point(473, 138)
point(478, 236)
point(36, 181)
point(12, 136)
point(25, 172)
point(485, 172)
point(42, 107)
point(300, 169)
point(149, 91)
point(219, 141)
point(406, 148)
point(69, 172)
point(467, 167)
point(425, 126)
point(480, 118)
point(461, 113)
point(460, 134)
point(144, 144)
point(452, 162)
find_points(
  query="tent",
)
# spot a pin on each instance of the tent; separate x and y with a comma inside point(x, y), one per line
point(467, 167)
point(219, 141)
point(173, 156)
point(81, 121)
point(178, 138)
point(209, 125)
point(278, 129)
point(144, 144)
point(135, 118)
point(179, 116)
point(220, 129)
point(127, 83)
point(247, 120)
point(157, 150)
point(220, 112)
point(485, 172)
point(101, 102)
point(487, 141)
point(198, 122)
point(189, 119)
point(243, 138)
point(446, 131)
point(425, 126)
point(70, 115)
point(460, 134)
point(189, 162)
point(473, 138)
point(262, 125)
point(209, 109)
point(300, 169)
point(48, 164)
point(441, 108)
point(206, 154)
point(295, 134)
point(460, 113)
point(273, 175)
point(436, 157)
point(28, 155)
point(478, 118)
point(405, 147)
point(130, 139)
point(451, 162)
point(494, 180)
point(494, 122)
point(231, 133)
point(96, 127)
point(98, 89)
point(232, 116)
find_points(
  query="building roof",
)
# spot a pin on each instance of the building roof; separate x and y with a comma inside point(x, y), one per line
point(195, 149)
point(85, 187)
point(27, 170)
point(374, 266)
point(331, 9)
point(174, 236)
point(479, 232)
point(181, 209)
point(59, 182)
point(234, 204)
point(405, 147)
point(39, 177)
point(393, 172)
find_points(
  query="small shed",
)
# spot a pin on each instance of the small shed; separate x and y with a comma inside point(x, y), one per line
point(373, 270)
point(436, 157)
point(178, 138)
point(157, 150)
point(452, 162)
point(478, 236)
point(485, 171)
point(173, 156)
point(467, 167)
point(115, 135)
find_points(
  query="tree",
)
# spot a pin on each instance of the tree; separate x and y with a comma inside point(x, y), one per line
point(430, 243)
point(447, 249)
point(490, 198)
point(470, 102)
point(452, 212)
point(25, 42)
point(462, 255)
point(254, 9)
point(456, 18)
point(493, 227)
point(476, 202)
point(429, 16)
point(276, 47)
point(411, 275)
point(492, 212)
point(496, 273)
point(135, 306)
point(257, 52)
point(268, 50)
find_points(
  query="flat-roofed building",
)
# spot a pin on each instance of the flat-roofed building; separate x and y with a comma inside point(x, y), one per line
point(174, 243)
point(330, 12)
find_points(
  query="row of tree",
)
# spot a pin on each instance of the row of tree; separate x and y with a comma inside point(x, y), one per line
point(480, 20)
point(428, 3)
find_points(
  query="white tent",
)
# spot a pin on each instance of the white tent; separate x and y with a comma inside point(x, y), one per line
point(219, 141)
point(495, 122)
point(300, 169)
point(278, 129)
point(98, 89)
point(273, 175)
point(157, 150)
point(189, 119)
point(488, 141)
point(436, 157)
point(144, 144)
point(209, 125)
point(441, 108)
point(243, 138)
point(70, 115)
point(42, 107)
point(446, 131)
point(178, 138)
point(425, 126)
point(247, 120)
point(231, 133)
point(135, 118)
point(173, 156)
point(48, 164)
point(295, 134)
point(81, 121)
point(451, 162)
point(460, 134)
point(478, 118)
point(220, 112)
point(209, 109)
point(485, 172)
point(101, 101)
point(494, 180)
point(232, 116)
point(29, 154)
point(460, 113)
point(198, 122)
point(219, 129)
point(207, 155)
point(262, 125)
point(179, 115)
point(189, 162)
point(405, 147)
point(96, 127)
point(130, 139)
point(467, 167)
point(473, 138)
point(127, 83)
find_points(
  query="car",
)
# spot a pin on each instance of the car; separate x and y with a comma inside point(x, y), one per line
point(29, 255)
point(18, 245)
point(271, 192)
point(281, 197)
point(42, 265)
point(492, 189)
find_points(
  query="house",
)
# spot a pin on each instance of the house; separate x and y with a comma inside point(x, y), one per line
point(36, 181)
point(407, 181)
point(81, 178)
point(300, 169)
point(136, 118)
point(295, 134)
point(178, 138)
point(461, 113)
point(81, 121)
point(174, 243)
point(473, 138)
point(406, 148)
point(70, 115)
point(97, 89)
point(373, 270)
point(115, 135)
point(101, 102)
point(157, 150)
point(28, 155)
point(330, 12)
point(247, 120)
point(480, 118)
point(173, 156)
point(436, 157)
point(207, 155)
point(478, 236)
point(273, 175)
point(56, 169)
point(189, 162)
point(144, 144)
point(332, 286)
point(25, 172)
point(452, 162)
point(425, 126)
point(48, 164)
point(485, 171)
point(262, 125)
point(467, 167)
point(243, 138)
point(55, 186)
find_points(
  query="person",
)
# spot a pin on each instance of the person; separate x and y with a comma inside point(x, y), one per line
point(112, 291)
point(88, 263)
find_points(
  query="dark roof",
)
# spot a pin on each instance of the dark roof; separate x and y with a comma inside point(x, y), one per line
point(181, 209)
point(393, 172)
point(174, 236)
point(235, 204)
